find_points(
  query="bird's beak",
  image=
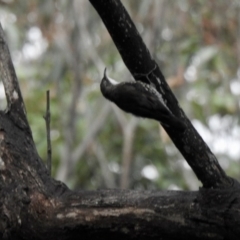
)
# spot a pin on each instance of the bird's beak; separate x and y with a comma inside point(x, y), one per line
point(105, 72)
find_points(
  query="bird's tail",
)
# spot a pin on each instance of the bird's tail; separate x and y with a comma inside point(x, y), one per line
point(173, 122)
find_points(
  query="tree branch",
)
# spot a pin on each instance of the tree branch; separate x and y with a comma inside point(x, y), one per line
point(79, 151)
point(15, 103)
point(108, 176)
point(140, 63)
point(128, 143)
point(35, 206)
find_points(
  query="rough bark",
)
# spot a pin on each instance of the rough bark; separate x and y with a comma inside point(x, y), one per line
point(35, 206)
point(138, 60)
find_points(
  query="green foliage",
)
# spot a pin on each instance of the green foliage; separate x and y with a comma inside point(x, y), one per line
point(68, 57)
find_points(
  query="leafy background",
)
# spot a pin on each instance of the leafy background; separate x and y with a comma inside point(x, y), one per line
point(64, 47)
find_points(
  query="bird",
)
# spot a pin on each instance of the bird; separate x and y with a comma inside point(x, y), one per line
point(140, 99)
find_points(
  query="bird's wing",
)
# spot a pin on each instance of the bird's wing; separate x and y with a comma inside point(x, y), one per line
point(153, 103)
point(134, 95)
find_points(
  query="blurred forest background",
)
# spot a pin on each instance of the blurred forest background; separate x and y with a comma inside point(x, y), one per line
point(63, 46)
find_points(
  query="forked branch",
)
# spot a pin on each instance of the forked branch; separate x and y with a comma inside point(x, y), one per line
point(140, 63)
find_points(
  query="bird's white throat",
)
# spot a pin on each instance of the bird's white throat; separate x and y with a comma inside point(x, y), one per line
point(112, 81)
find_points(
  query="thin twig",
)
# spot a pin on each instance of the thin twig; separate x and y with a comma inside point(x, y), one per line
point(47, 118)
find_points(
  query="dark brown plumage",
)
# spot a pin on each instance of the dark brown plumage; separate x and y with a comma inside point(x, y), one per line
point(140, 99)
